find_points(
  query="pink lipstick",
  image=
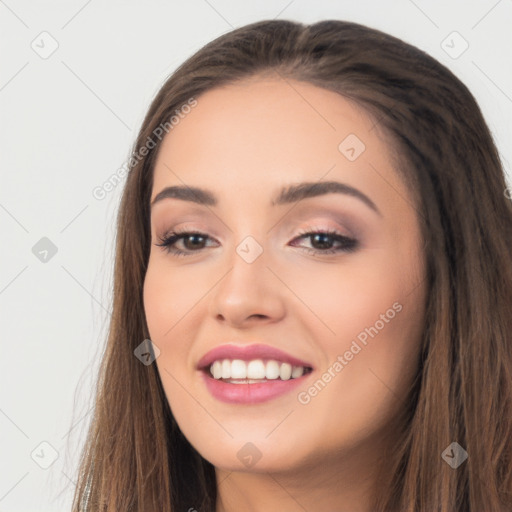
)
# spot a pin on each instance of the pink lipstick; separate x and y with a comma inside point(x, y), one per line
point(252, 373)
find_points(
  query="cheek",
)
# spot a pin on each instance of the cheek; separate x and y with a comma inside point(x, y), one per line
point(371, 365)
point(158, 304)
point(168, 308)
point(165, 304)
point(174, 308)
point(372, 316)
point(168, 296)
point(340, 300)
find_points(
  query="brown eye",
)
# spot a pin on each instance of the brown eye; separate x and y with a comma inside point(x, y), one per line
point(192, 242)
point(322, 242)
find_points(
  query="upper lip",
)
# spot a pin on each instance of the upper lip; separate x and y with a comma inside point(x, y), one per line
point(248, 353)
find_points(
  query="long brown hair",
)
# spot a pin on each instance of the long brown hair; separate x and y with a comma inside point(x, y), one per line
point(135, 457)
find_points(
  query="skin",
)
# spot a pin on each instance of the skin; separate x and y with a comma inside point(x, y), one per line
point(245, 141)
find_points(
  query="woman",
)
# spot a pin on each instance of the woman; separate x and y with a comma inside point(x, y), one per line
point(316, 238)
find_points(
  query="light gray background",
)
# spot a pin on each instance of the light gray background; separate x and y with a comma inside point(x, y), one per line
point(68, 122)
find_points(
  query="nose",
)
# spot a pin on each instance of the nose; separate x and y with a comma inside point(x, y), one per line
point(249, 293)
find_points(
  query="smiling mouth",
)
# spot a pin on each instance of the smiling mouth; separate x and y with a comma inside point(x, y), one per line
point(256, 371)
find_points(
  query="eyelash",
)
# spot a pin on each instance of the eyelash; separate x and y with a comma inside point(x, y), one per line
point(349, 244)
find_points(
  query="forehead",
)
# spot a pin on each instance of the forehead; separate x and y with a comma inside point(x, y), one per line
point(265, 132)
point(257, 110)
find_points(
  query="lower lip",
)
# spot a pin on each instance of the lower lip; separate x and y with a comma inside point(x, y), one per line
point(249, 393)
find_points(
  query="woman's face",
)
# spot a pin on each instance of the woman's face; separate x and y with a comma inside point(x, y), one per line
point(348, 306)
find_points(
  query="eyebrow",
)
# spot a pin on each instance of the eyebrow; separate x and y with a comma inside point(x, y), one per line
point(287, 195)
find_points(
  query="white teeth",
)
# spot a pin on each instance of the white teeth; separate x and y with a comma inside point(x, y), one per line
point(238, 369)
point(272, 370)
point(226, 369)
point(286, 371)
point(254, 370)
point(217, 370)
point(297, 372)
